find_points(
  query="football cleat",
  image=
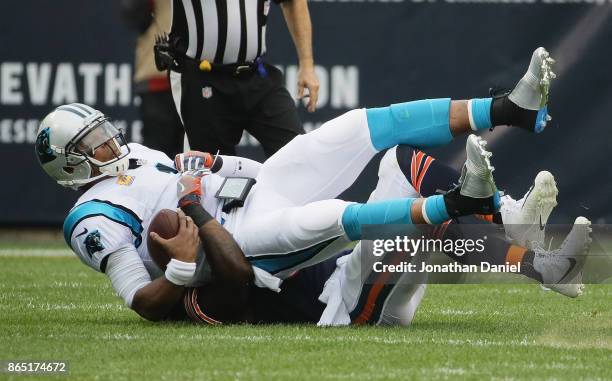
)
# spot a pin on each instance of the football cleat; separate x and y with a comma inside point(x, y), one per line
point(476, 192)
point(476, 179)
point(525, 219)
point(531, 92)
point(561, 269)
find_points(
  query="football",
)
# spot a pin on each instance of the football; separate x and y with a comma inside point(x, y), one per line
point(166, 225)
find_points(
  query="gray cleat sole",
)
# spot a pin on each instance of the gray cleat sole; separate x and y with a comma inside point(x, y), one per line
point(531, 92)
point(572, 285)
point(477, 174)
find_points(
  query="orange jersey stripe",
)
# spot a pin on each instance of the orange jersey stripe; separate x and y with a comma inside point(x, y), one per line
point(428, 162)
point(412, 168)
point(198, 311)
point(485, 217)
point(379, 283)
point(515, 254)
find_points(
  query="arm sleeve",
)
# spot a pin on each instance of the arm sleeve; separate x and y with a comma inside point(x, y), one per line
point(127, 273)
point(237, 166)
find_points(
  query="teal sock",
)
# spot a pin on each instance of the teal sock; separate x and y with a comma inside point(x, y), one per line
point(420, 124)
point(479, 111)
point(387, 212)
point(434, 210)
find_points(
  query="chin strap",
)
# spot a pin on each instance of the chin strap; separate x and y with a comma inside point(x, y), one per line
point(76, 184)
point(121, 166)
point(116, 168)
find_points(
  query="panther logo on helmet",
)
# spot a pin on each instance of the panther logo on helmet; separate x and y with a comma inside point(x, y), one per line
point(43, 148)
point(79, 131)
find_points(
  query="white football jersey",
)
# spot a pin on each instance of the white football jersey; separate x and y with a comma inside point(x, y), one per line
point(116, 212)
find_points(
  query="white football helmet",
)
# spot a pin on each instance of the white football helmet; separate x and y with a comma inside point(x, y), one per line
point(67, 142)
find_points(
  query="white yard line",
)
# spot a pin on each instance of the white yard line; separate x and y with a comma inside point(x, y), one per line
point(35, 252)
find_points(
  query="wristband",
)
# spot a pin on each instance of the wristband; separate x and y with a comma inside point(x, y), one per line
point(179, 272)
point(189, 199)
point(197, 214)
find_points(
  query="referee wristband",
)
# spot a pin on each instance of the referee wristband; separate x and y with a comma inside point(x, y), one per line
point(197, 214)
point(179, 272)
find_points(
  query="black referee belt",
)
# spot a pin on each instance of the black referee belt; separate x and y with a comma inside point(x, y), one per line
point(167, 57)
point(234, 69)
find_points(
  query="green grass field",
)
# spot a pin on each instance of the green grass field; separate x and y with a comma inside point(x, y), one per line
point(57, 309)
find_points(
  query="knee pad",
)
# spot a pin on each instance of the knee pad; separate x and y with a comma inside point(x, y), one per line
point(318, 218)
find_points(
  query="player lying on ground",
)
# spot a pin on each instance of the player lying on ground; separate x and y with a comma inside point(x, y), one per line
point(292, 207)
point(287, 212)
point(353, 295)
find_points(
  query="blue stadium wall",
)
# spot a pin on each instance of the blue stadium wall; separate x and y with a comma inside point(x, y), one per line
point(368, 53)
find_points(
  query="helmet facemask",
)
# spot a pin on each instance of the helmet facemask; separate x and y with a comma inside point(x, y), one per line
point(102, 145)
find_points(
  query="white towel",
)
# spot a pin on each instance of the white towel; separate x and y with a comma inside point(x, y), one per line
point(264, 279)
point(336, 312)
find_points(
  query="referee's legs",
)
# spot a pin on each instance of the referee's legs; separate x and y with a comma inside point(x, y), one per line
point(162, 129)
point(275, 121)
point(208, 112)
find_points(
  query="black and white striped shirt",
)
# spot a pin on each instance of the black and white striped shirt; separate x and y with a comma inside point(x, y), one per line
point(220, 31)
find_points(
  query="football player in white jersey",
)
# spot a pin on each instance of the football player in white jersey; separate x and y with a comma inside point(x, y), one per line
point(290, 219)
point(124, 186)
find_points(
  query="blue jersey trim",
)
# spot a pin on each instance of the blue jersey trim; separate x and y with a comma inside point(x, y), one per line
point(116, 213)
point(278, 262)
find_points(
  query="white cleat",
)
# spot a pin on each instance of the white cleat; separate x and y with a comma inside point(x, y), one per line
point(531, 92)
point(525, 219)
point(476, 179)
point(561, 269)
